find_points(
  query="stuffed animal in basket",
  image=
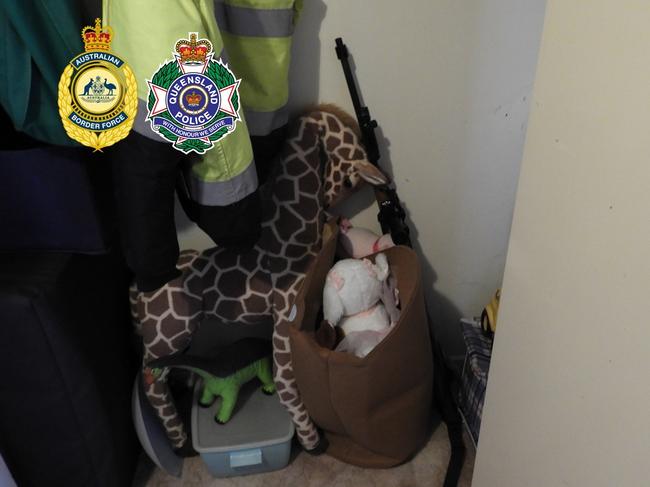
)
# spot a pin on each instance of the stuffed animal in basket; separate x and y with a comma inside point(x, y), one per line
point(224, 374)
point(353, 299)
point(360, 242)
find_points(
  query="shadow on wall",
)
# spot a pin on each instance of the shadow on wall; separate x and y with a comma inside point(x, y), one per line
point(444, 316)
point(305, 91)
point(304, 74)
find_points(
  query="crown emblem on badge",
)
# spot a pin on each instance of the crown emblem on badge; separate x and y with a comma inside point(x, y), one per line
point(192, 51)
point(193, 99)
point(97, 38)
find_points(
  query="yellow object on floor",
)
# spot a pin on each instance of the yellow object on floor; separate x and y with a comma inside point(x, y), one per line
point(490, 312)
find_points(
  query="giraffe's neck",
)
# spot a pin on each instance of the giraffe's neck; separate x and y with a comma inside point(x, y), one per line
point(295, 214)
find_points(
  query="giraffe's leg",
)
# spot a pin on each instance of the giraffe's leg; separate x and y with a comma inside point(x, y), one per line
point(168, 317)
point(265, 375)
point(156, 389)
point(287, 389)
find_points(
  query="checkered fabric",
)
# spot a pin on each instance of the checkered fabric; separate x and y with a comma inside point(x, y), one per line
point(474, 376)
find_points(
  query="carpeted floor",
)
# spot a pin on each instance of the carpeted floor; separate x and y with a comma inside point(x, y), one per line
point(425, 470)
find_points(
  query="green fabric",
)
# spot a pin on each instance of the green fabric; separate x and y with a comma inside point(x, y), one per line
point(39, 37)
point(263, 65)
point(228, 158)
point(297, 7)
point(146, 46)
point(262, 62)
point(145, 32)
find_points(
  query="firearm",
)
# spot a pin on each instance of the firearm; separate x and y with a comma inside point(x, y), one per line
point(391, 215)
point(391, 218)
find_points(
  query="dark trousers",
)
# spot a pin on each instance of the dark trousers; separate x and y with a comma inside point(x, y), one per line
point(146, 174)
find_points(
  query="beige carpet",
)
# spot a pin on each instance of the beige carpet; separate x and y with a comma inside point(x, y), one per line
point(425, 470)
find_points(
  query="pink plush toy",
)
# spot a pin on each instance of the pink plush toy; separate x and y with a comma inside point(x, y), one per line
point(353, 298)
point(361, 242)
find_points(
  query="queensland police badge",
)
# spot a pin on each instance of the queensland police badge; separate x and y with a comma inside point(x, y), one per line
point(193, 99)
point(98, 97)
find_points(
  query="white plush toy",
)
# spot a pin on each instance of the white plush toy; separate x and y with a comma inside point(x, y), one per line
point(360, 242)
point(353, 300)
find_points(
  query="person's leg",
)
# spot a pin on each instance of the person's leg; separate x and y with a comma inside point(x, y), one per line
point(144, 173)
point(236, 226)
point(266, 149)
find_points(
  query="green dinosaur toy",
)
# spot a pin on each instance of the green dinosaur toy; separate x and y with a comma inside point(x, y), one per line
point(225, 374)
point(228, 387)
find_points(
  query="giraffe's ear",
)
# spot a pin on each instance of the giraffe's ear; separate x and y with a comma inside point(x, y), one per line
point(371, 173)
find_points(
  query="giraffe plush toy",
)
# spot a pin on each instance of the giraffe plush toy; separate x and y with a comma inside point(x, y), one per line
point(322, 163)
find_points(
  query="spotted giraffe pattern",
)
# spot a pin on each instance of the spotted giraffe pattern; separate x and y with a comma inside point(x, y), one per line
point(316, 171)
point(166, 319)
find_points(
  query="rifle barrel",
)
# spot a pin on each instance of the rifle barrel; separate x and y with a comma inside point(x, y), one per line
point(391, 214)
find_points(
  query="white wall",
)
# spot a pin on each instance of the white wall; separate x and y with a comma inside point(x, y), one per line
point(568, 394)
point(449, 83)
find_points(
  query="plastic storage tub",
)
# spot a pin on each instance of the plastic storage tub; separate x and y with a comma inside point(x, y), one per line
point(257, 438)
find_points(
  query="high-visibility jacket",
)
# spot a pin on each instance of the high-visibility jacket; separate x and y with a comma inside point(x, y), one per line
point(257, 36)
point(253, 36)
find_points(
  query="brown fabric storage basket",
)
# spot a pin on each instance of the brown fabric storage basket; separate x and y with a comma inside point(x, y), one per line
point(375, 411)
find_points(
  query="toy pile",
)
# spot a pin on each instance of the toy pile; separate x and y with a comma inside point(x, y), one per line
point(360, 298)
point(365, 376)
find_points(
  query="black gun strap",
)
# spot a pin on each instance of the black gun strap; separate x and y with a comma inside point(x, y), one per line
point(443, 398)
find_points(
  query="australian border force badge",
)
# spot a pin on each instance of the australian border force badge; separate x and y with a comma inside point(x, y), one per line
point(98, 97)
point(193, 99)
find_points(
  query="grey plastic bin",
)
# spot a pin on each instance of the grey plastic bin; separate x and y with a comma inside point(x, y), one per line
point(257, 438)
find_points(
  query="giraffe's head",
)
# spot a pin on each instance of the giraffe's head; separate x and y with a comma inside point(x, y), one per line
point(345, 177)
point(347, 166)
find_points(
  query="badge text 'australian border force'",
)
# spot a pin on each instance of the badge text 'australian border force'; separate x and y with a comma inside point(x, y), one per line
point(97, 92)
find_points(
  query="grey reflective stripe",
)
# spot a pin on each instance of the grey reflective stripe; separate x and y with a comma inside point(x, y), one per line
point(263, 123)
point(223, 193)
point(254, 22)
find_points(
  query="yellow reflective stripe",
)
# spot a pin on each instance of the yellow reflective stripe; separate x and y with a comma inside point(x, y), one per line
point(262, 63)
point(228, 158)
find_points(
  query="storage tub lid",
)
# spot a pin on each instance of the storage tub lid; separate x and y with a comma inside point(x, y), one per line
point(258, 421)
